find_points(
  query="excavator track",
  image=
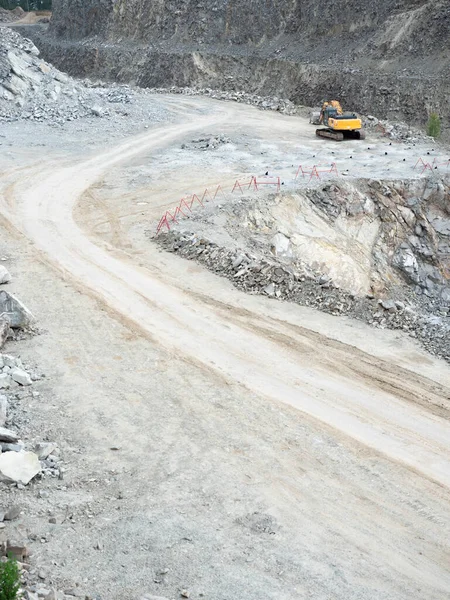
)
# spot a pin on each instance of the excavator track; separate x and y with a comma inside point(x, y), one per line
point(338, 136)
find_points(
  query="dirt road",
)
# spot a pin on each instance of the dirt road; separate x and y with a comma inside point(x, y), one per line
point(357, 389)
point(265, 355)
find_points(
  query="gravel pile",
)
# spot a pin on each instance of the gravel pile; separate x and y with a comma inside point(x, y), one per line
point(396, 131)
point(210, 142)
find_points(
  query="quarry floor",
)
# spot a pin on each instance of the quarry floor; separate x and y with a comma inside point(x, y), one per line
point(261, 449)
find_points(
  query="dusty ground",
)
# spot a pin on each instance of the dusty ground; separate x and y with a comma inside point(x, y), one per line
point(265, 450)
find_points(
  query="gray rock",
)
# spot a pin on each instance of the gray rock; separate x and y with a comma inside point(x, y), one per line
point(9, 361)
point(389, 305)
point(405, 260)
point(445, 295)
point(19, 467)
point(18, 316)
point(5, 381)
point(8, 436)
point(269, 289)
point(17, 549)
point(98, 111)
point(238, 261)
point(20, 376)
point(280, 245)
point(44, 449)
point(11, 447)
point(13, 513)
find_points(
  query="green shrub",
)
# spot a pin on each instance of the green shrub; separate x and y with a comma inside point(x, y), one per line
point(434, 125)
point(9, 580)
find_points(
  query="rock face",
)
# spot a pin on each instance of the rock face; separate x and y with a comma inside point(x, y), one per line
point(212, 21)
point(301, 50)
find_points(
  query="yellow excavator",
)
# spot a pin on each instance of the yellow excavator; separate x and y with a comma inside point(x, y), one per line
point(339, 125)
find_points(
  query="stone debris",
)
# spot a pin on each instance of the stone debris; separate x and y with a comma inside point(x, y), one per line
point(19, 467)
point(34, 90)
point(397, 131)
point(281, 105)
point(207, 143)
point(12, 373)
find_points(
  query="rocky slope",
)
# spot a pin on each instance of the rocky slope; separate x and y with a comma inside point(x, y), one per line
point(377, 58)
point(378, 251)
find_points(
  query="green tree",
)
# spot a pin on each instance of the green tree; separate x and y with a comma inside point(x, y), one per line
point(9, 580)
point(434, 125)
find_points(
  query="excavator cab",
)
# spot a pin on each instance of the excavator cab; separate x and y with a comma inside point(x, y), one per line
point(327, 112)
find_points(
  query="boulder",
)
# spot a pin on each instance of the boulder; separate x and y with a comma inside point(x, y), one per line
point(44, 449)
point(405, 260)
point(19, 467)
point(11, 447)
point(18, 550)
point(11, 309)
point(8, 436)
point(389, 305)
point(280, 245)
point(20, 376)
point(12, 513)
point(8, 361)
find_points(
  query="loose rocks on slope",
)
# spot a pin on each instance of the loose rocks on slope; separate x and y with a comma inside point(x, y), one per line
point(32, 89)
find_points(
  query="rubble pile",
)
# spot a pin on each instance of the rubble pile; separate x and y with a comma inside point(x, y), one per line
point(281, 105)
point(210, 142)
point(20, 464)
point(32, 89)
point(397, 131)
point(298, 283)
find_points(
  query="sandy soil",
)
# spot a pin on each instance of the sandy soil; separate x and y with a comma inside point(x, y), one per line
point(266, 451)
